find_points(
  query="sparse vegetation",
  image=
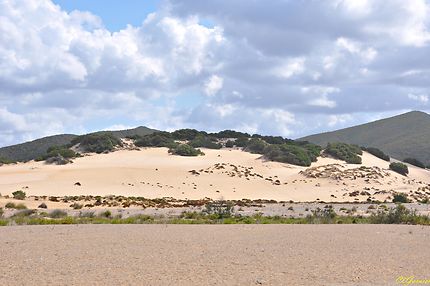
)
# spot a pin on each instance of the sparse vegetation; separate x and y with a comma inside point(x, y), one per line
point(219, 209)
point(399, 168)
point(97, 142)
point(11, 205)
point(414, 162)
point(185, 150)
point(19, 195)
point(400, 198)
point(58, 151)
point(346, 152)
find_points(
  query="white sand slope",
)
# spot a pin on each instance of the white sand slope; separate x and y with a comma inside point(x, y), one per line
point(229, 174)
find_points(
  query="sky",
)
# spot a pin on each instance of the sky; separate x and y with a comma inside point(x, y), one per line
point(284, 67)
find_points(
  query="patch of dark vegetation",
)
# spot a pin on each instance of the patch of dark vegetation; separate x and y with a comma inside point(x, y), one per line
point(205, 142)
point(157, 139)
point(399, 168)
point(5, 161)
point(185, 150)
point(346, 152)
point(11, 205)
point(414, 162)
point(19, 195)
point(100, 142)
point(399, 215)
point(400, 198)
point(59, 155)
point(377, 153)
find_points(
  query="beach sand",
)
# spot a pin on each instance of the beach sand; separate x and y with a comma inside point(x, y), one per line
point(213, 254)
point(228, 174)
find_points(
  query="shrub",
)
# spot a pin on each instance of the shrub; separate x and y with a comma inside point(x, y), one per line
point(76, 206)
point(400, 198)
point(57, 214)
point(229, 144)
point(19, 195)
point(377, 152)
point(186, 134)
point(399, 168)
point(97, 142)
point(57, 151)
point(205, 142)
point(414, 162)
point(231, 134)
point(219, 209)
point(288, 154)
point(11, 205)
point(399, 215)
point(241, 142)
point(5, 161)
point(346, 152)
point(158, 139)
point(256, 146)
point(106, 214)
point(1, 212)
point(185, 150)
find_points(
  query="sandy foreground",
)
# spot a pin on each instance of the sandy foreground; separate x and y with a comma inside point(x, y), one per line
point(228, 174)
point(213, 255)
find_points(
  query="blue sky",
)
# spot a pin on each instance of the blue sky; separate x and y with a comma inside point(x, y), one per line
point(116, 15)
point(289, 68)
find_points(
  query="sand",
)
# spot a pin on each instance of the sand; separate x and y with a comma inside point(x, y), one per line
point(213, 255)
point(228, 174)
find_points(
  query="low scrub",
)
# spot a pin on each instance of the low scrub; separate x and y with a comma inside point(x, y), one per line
point(399, 168)
point(399, 215)
point(19, 195)
point(185, 150)
point(97, 142)
point(346, 152)
point(11, 205)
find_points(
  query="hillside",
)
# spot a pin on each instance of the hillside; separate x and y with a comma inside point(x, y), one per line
point(402, 136)
point(33, 149)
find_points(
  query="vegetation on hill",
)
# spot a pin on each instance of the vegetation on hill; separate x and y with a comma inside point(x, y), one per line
point(205, 142)
point(399, 168)
point(4, 161)
point(185, 150)
point(414, 162)
point(157, 139)
point(346, 152)
point(376, 152)
point(97, 142)
point(55, 151)
point(394, 135)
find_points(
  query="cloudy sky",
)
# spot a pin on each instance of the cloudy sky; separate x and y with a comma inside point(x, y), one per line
point(278, 67)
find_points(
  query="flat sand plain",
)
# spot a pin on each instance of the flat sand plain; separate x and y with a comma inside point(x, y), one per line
point(213, 254)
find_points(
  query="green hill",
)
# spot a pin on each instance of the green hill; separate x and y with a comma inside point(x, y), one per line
point(34, 149)
point(401, 136)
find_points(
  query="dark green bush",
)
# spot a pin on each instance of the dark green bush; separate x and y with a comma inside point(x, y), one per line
point(158, 139)
point(288, 154)
point(346, 152)
point(415, 162)
point(377, 153)
point(399, 168)
point(219, 209)
point(97, 142)
point(231, 134)
point(400, 198)
point(229, 144)
point(185, 150)
point(56, 151)
point(204, 142)
point(19, 195)
point(187, 134)
point(4, 161)
point(256, 146)
point(241, 142)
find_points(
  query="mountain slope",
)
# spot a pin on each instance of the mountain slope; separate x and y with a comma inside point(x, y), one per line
point(33, 149)
point(401, 136)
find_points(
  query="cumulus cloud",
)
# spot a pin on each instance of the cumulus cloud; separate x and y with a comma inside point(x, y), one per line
point(258, 67)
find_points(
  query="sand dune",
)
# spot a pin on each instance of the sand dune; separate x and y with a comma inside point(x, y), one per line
point(230, 174)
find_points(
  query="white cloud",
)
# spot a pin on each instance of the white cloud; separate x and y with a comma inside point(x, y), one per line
point(213, 85)
point(294, 66)
point(423, 98)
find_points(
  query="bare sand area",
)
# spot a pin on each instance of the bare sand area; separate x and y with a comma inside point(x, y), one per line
point(213, 255)
point(226, 173)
